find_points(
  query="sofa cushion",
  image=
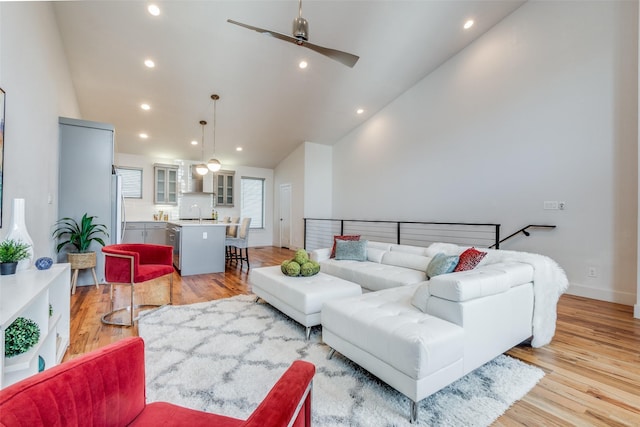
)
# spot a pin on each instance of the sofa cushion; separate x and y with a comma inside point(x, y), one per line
point(336, 238)
point(379, 245)
point(375, 255)
point(421, 297)
point(441, 264)
point(469, 259)
point(466, 285)
point(355, 250)
point(371, 275)
point(416, 250)
point(406, 260)
point(387, 326)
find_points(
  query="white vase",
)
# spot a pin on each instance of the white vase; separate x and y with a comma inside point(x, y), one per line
point(18, 231)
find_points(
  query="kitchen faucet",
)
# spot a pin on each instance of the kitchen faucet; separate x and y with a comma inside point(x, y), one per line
point(199, 212)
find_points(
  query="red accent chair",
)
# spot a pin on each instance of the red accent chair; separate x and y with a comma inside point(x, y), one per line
point(133, 263)
point(106, 388)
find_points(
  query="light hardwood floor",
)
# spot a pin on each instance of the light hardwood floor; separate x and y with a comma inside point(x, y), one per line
point(592, 365)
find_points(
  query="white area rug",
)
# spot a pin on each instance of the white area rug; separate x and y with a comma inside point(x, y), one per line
point(224, 356)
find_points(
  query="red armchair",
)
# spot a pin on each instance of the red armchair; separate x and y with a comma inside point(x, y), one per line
point(132, 263)
point(106, 388)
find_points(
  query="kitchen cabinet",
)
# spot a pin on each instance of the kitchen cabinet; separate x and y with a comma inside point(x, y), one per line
point(145, 232)
point(224, 188)
point(43, 297)
point(166, 184)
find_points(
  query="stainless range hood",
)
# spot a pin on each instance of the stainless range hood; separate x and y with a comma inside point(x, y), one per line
point(195, 182)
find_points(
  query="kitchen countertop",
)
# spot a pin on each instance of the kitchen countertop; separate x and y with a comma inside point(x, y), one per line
point(196, 223)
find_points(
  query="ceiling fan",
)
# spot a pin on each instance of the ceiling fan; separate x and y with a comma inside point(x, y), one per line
point(301, 37)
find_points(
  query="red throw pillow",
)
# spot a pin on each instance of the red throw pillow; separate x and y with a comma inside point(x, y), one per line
point(469, 259)
point(333, 250)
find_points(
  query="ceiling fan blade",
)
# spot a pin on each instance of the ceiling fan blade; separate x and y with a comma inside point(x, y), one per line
point(343, 57)
point(267, 32)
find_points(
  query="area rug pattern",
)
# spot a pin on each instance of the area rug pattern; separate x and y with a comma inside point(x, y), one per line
point(223, 356)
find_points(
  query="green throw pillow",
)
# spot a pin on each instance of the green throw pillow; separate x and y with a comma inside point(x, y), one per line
point(441, 264)
point(355, 250)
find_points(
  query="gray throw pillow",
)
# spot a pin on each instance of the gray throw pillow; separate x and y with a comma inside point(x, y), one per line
point(351, 250)
point(441, 264)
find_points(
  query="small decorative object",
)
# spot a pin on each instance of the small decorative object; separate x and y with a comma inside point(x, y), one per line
point(44, 263)
point(20, 336)
point(11, 253)
point(40, 364)
point(300, 265)
point(18, 231)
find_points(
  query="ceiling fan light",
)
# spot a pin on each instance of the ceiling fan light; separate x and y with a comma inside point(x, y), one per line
point(202, 169)
point(214, 165)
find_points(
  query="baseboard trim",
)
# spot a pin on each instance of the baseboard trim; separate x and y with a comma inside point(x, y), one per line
point(608, 295)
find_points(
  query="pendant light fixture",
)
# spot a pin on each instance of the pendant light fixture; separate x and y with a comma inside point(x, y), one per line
point(213, 164)
point(201, 168)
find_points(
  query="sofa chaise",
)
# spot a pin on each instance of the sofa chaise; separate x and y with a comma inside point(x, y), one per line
point(419, 337)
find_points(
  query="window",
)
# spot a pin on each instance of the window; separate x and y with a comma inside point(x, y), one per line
point(131, 182)
point(252, 203)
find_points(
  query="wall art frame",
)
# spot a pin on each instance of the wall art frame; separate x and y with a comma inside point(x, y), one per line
point(2, 128)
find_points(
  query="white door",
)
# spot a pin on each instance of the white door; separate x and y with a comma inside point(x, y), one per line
point(285, 215)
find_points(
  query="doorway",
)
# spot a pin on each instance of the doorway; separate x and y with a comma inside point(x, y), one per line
point(285, 216)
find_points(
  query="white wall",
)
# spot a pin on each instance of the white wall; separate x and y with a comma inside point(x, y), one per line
point(542, 107)
point(143, 209)
point(318, 180)
point(291, 171)
point(35, 76)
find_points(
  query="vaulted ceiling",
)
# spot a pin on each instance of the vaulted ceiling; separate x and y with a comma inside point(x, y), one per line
point(268, 105)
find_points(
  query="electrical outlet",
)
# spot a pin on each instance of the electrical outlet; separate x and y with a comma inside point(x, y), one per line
point(592, 272)
point(550, 205)
point(204, 235)
point(562, 205)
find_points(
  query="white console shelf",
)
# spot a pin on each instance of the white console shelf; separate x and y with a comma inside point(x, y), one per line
point(29, 294)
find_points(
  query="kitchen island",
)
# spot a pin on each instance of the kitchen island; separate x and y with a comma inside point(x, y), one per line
point(198, 246)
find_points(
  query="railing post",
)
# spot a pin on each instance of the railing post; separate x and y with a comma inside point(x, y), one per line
point(398, 233)
point(342, 227)
point(304, 238)
point(497, 236)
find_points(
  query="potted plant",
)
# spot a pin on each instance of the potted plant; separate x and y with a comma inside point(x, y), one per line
point(12, 251)
point(80, 235)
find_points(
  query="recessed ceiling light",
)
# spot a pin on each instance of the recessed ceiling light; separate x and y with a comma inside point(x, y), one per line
point(145, 106)
point(153, 9)
point(359, 111)
point(303, 64)
point(149, 63)
point(194, 142)
point(143, 136)
point(468, 24)
point(238, 148)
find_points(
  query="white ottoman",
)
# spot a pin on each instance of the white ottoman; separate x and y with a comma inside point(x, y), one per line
point(300, 298)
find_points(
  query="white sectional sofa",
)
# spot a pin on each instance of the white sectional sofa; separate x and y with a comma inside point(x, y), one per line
point(421, 335)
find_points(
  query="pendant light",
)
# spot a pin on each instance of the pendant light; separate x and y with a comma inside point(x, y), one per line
point(213, 164)
point(201, 168)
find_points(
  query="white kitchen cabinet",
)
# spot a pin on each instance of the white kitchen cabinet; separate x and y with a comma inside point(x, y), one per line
point(43, 297)
point(152, 232)
point(166, 185)
point(224, 188)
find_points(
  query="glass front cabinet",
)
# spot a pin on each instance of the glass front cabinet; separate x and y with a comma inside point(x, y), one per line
point(224, 188)
point(166, 185)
